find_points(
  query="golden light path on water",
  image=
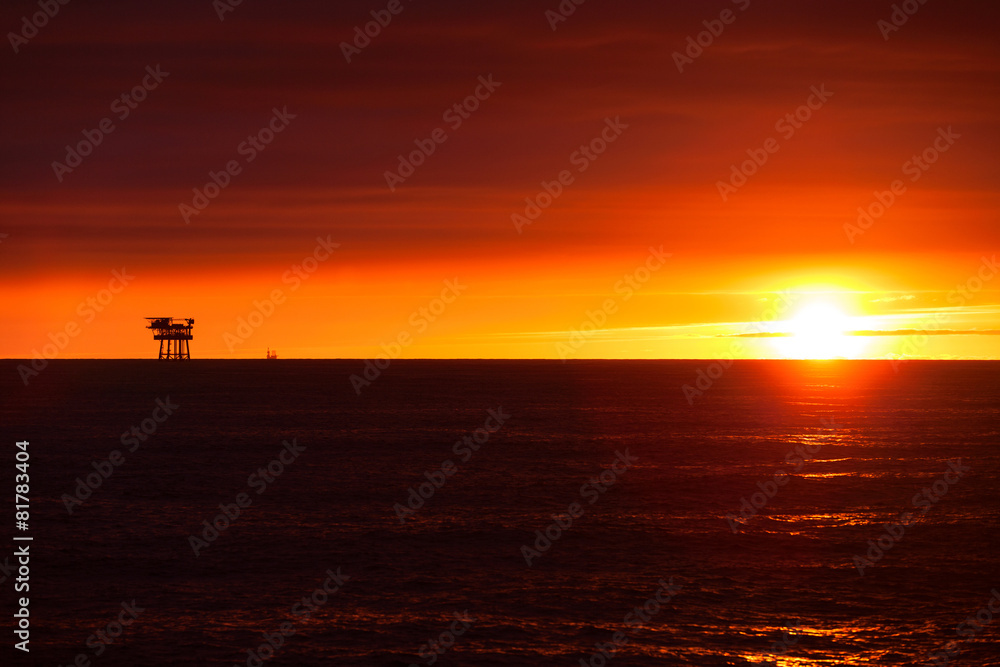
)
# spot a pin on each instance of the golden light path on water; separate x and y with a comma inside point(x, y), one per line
point(839, 634)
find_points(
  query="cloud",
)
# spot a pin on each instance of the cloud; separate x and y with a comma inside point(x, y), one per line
point(889, 299)
point(878, 332)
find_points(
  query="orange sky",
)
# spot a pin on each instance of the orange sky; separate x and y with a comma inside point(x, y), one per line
point(525, 288)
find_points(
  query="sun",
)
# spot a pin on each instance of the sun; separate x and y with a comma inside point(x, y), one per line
point(819, 330)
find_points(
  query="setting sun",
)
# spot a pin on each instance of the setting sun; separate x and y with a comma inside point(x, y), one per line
point(820, 330)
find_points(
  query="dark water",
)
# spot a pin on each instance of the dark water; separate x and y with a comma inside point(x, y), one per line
point(878, 436)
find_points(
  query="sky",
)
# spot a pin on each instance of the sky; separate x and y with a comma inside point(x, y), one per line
point(624, 180)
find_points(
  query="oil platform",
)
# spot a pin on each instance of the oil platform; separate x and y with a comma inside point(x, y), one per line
point(175, 334)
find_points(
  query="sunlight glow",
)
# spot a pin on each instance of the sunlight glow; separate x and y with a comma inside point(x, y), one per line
point(820, 330)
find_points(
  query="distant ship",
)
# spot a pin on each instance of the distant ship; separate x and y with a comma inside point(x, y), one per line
point(272, 354)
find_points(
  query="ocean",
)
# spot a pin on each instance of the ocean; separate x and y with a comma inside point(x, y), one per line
point(500, 513)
